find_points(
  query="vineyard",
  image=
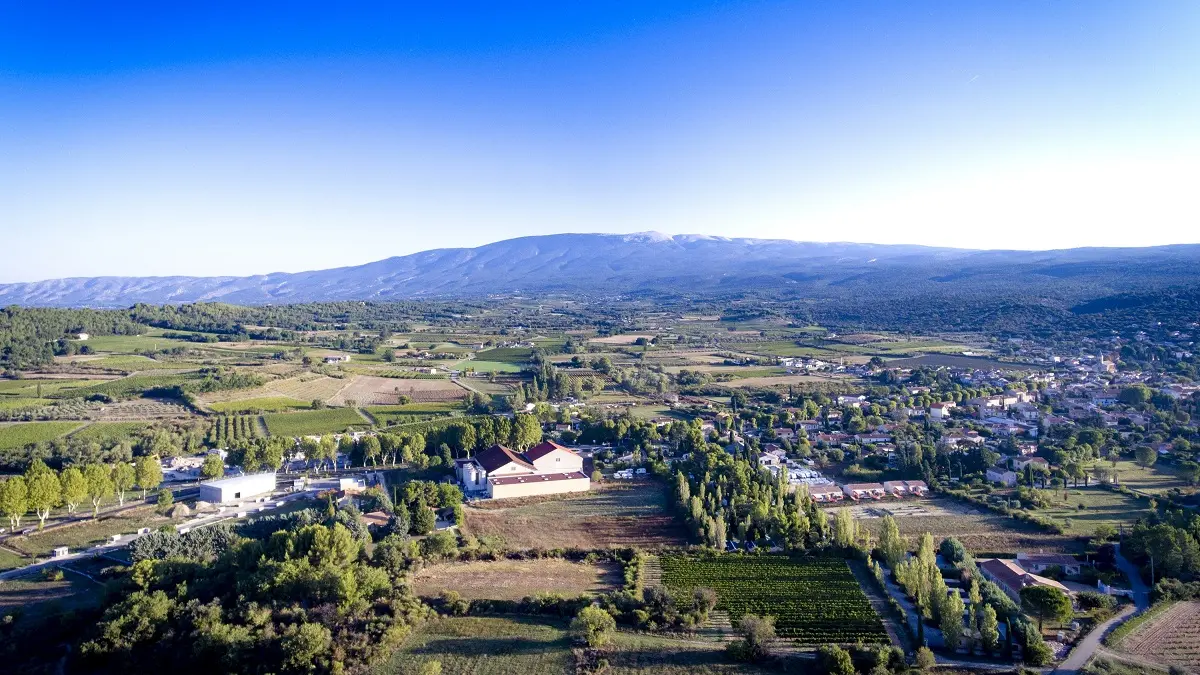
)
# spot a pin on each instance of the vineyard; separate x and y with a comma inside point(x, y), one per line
point(814, 600)
point(229, 430)
point(313, 422)
point(1171, 637)
point(20, 435)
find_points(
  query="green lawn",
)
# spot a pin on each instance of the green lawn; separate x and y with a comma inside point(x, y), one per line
point(332, 420)
point(21, 434)
point(1101, 507)
point(518, 355)
point(481, 366)
point(1153, 479)
point(89, 533)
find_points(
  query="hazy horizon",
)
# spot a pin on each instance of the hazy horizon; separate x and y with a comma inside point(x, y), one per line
point(227, 140)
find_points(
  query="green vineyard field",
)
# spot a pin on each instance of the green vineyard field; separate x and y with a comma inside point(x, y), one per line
point(814, 600)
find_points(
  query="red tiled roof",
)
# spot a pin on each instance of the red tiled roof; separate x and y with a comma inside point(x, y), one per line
point(497, 456)
point(536, 478)
point(544, 448)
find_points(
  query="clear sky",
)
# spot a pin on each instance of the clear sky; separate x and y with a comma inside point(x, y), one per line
point(249, 137)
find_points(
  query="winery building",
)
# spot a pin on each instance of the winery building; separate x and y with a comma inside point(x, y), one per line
point(501, 473)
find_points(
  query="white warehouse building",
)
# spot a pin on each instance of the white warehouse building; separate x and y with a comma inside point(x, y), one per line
point(237, 488)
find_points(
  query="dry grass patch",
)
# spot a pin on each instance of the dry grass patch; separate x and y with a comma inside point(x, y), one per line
point(371, 390)
point(1172, 638)
point(626, 514)
point(516, 579)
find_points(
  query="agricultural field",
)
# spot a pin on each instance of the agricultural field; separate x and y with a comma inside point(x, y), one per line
point(370, 390)
point(229, 430)
point(489, 366)
point(108, 433)
point(983, 532)
point(19, 435)
point(139, 409)
point(1172, 638)
point(814, 600)
point(130, 344)
point(133, 385)
point(387, 415)
point(518, 355)
point(626, 339)
point(22, 403)
point(526, 645)
point(259, 405)
point(516, 579)
point(131, 364)
point(312, 422)
point(306, 387)
point(1152, 480)
point(957, 361)
point(612, 514)
point(789, 380)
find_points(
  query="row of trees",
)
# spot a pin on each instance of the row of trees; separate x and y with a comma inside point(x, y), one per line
point(43, 489)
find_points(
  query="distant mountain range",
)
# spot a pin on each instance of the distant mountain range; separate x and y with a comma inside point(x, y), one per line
point(652, 263)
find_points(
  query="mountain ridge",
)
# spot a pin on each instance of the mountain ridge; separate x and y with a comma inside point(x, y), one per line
point(646, 262)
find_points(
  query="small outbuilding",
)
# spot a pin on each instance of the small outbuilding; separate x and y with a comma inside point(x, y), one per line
point(238, 488)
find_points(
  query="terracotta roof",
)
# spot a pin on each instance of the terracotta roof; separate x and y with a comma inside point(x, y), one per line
point(1047, 558)
point(864, 486)
point(824, 489)
point(377, 518)
point(536, 478)
point(497, 456)
point(1009, 573)
point(544, 448)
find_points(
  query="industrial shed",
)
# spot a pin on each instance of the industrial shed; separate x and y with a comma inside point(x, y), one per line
point(237, 488)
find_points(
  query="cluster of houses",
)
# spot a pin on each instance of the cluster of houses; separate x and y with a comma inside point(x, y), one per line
point(860, 491)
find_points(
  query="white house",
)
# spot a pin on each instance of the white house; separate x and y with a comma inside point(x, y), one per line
point(237, 488)
point(939, 412)
point(1002, 476)
point(546, 468)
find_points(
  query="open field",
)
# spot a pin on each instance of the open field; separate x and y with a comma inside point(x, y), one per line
point(980, 531)
point(958, 361)
point(21, 402)
point(789, 380)
point(311, 422)
point(1152, 480)
point(370, 390)
point(18, 435)
point(110, 432)
point(91, 532)
point(626, 514)
point(387, 415)
point(141, 409)
point(1101, 507)
point(626, 339)
point(516, 579)
point(306, 388)
point(814, 600)
point(129, 344)
point(525, 645)
point(260, 405)
point(489, 366)
point(134, 384)
point(518, 355)
point(130, 363)
point(32, 594)
point(1171, 638)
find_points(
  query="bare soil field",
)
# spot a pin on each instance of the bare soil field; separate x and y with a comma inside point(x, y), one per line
point(980, 531)
point(1173, 638)
point(370, 390)
point(516, 579)
point(625, 514)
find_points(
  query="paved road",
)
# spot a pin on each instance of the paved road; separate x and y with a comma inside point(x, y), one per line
point(1088, 647)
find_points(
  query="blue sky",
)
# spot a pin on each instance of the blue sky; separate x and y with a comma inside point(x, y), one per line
point(240, 138)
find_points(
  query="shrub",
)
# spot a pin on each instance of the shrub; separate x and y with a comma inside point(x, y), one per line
point(593, 626)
